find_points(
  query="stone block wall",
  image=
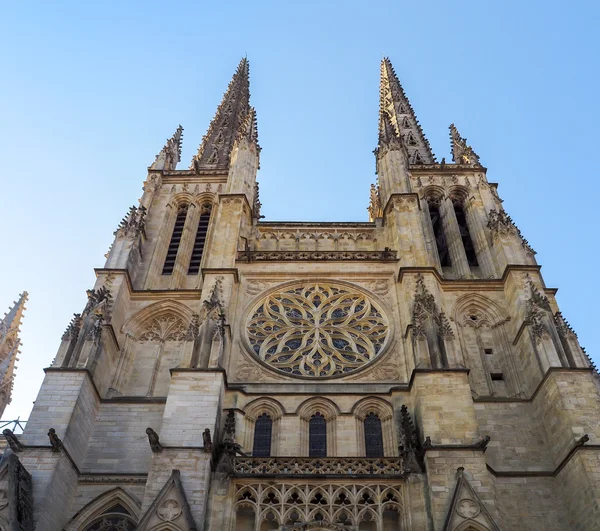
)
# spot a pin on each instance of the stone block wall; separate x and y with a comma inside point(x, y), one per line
point(119, 442)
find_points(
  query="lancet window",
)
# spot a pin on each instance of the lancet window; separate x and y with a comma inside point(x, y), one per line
point(175, 240)
point(438, 232)
point(465, 235)
point(263, 430)
point(317, 436)
point(200, 240)
point(373, 436)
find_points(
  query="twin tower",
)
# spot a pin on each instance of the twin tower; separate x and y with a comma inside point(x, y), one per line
point(410, 372)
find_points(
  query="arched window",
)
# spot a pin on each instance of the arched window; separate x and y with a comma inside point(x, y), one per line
point(465, 235)
point(200, 239)
point(175, 240)
point(373, 436)
point(263, 429)
point(438, 232)
point(317, 436)
point(117, 518)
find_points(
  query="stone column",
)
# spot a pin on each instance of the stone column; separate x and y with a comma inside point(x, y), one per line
point(162, 244)
point(474, 212)
point(460, 264)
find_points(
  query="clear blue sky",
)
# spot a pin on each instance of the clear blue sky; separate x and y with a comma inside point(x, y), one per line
point(91, 90)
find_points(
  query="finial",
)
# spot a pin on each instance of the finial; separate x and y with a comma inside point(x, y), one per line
point(462, 153)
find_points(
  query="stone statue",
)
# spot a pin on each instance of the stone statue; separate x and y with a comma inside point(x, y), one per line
point(12, 441)
point(483, 442)
point(153, 440)
point(55, 441)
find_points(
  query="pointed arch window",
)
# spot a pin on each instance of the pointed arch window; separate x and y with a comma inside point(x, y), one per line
point(263, 430)
point(175, 240)
point(465, 235)
point(200, 239)
point(438, 232)
point(317, 436)
point(117, 518)
point(373, 436)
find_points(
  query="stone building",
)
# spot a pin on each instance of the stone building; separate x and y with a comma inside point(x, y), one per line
point(411, 372)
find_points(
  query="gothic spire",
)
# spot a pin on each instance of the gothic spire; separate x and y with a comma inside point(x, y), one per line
point(9, 348)
point(394, 103)
point(170, 154)
point(214, 151)
point(462, 153)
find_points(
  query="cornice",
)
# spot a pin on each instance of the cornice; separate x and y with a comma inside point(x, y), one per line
point(324, 224)
point(473, 284)
point(449, 168)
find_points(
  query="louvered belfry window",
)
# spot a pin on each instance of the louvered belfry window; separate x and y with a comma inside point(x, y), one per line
point(317, 436)
point(373, 436)
point(263, 429)
point(175, 240)
point(200, 240)
point(459, 210)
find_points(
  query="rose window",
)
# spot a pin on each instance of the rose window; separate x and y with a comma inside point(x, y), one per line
point(317, 330)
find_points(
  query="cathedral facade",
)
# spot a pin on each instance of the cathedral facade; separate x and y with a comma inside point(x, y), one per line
point(411, 372)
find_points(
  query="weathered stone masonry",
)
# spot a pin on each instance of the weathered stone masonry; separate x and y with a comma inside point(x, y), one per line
point(411, 372)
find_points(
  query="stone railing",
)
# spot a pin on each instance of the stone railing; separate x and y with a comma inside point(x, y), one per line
point(320, 466)
point(317, 256)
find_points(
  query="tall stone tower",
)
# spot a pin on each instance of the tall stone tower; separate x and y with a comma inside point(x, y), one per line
point(10, 342)
point(410, 372)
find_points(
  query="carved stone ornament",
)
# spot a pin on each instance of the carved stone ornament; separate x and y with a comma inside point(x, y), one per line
point(166, 328)
point(169, 510)
point(374, 203)
point(55, 441)
point(501, 224)
point(154, 441)
point(309, 506)
point(318, 256)
point(133, 223)
point(317, 330)
point(468, 508)
point(72, 331)
point(14, 443)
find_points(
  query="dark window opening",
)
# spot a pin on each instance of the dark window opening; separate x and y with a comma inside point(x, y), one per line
point(496, 376)
point(373, 436)
point(199, 241)
point(263, 429)
point(488, 350)
point(438, 233)
point(175, 240)
point(465, 234)
point(317, 436)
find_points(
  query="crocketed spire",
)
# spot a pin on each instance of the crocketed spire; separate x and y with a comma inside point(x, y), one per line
point(394, 103)
point(216, 145)
point(9, 348)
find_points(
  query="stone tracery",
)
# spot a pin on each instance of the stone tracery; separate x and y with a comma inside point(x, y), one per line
point(330, 504)
point(317, 330)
